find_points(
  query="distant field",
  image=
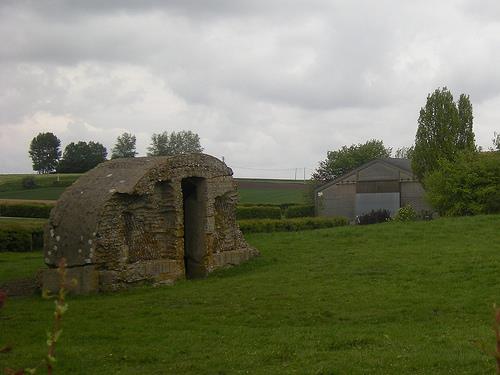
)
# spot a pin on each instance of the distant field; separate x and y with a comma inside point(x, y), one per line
point(392, 298)
point(14, 181)
point(277, 196)
point(49, 193)
point(250, 190)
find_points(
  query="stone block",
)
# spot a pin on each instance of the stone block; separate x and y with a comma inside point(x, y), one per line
point(86, 278)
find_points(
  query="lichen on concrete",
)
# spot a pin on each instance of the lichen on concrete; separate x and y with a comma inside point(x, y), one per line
point(154, 219)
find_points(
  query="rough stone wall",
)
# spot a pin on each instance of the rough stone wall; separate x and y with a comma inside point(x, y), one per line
point(136, 230)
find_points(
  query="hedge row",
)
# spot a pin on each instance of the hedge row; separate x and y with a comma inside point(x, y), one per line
point(268, 211)
point(20, 238)
point(290, 225)
point(299, 211)
point(32, 210)
point(258, 212)
point(282, 206)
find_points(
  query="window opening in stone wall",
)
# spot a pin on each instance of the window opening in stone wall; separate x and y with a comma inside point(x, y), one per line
point(194, 207)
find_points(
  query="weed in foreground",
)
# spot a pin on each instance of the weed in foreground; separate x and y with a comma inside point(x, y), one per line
point(54, 334)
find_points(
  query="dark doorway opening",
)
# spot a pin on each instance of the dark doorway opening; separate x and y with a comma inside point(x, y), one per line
point(194, 206)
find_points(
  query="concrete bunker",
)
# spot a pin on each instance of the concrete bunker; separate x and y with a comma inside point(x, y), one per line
point(153, 219)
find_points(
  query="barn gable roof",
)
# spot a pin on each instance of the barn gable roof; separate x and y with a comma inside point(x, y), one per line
point(397, 163)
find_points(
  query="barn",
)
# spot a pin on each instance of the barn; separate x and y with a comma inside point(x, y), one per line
point(387, 183)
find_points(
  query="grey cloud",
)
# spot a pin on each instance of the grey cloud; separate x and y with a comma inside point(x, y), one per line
point(265, 83)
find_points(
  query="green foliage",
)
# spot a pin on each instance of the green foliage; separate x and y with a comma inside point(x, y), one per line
point(299, 211)
point(124, 147)
point(20, 236)
point(182, 142)
point(81, 157)
point(406, 213)
point(392, 299)
point(444, 130)
point(374, 217)
point(258, 212)
point(496, 141)
point(25, 209)
point(404, 152)
point(290, 225)
point(346, 159)
point(469, 185)
point(45, 152)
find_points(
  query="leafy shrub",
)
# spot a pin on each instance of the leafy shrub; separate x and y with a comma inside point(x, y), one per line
point(32, 210)
point(426, 215)
point(290, 225)
point(406, 213)
point(258, 212)
point(469, 185)
point(373, 217)
point(20, 238)
point(28, 182)
point(299, 211)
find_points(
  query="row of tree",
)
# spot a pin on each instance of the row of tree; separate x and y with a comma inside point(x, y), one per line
point(458, 177)
point(79, 157)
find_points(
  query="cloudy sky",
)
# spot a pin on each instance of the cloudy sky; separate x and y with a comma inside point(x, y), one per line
point(271, 85)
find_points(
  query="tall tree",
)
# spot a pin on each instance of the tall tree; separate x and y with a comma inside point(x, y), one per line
point(346, 159)
point(496, 141)
point(45, 152)
point(183, 142)
point(404, 152)
point(124, 147)
point(444, 130)
point(81, 157)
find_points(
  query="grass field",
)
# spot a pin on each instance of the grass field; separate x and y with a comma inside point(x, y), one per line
point(19, 266)
point(273, 196)
point(48, 193)
point(393, 298)
point(263, 191)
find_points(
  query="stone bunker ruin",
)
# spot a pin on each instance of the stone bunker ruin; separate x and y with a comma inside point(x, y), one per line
point(154, 219)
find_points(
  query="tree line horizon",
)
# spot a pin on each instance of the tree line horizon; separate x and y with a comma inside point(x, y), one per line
point(445, 129)
point(79, 157)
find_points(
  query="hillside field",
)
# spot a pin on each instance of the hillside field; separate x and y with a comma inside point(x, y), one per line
point(392, 298)
point(50, 187)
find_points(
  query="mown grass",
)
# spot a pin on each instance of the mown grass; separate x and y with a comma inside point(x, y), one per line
point(393, 298)
point(15, 266)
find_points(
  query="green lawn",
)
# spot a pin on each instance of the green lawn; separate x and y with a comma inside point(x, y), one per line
point(19, 265)
point(393, 298)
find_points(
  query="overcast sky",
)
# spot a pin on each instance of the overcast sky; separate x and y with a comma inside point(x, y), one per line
point(269, 85)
